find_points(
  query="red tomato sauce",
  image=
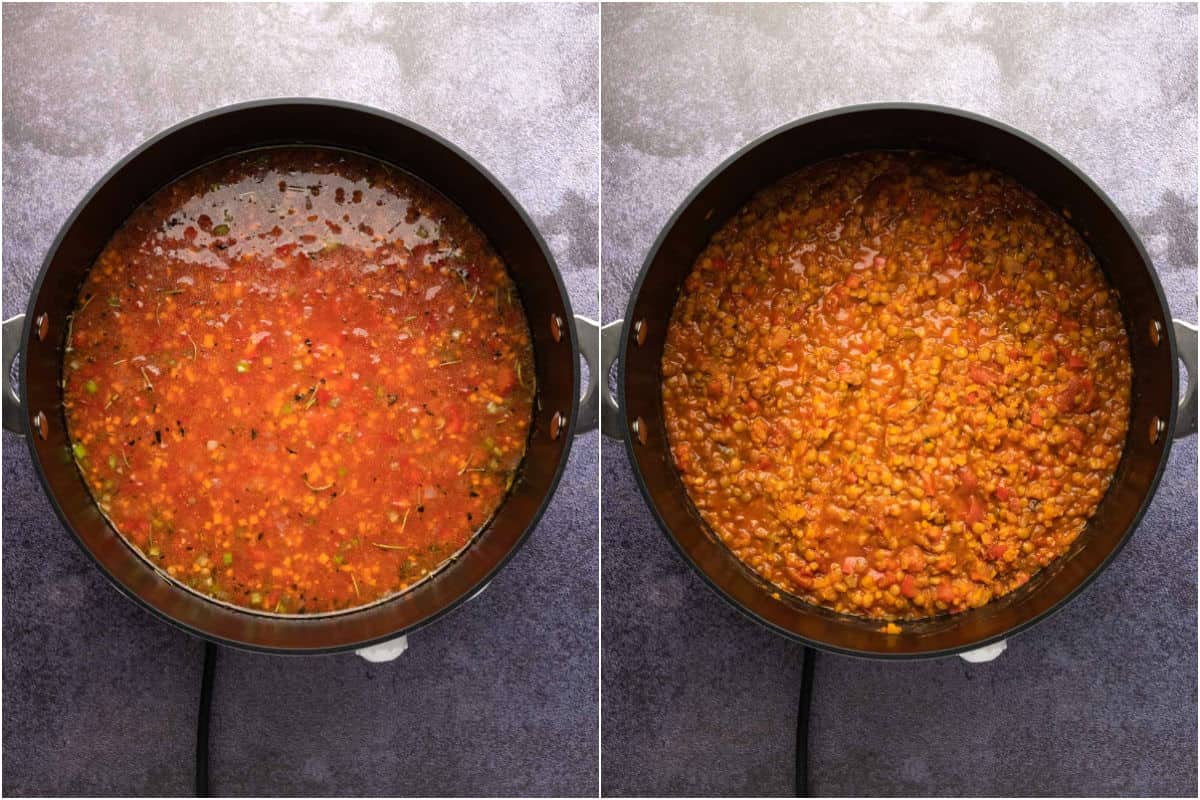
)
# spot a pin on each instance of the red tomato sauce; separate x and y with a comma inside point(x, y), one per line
point(298, 380)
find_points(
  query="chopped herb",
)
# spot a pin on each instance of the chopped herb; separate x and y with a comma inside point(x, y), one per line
point(114, 301)
point(227, 558)
point(221, 230)
point(304, 477)
point(79, 450)
point(422, 231)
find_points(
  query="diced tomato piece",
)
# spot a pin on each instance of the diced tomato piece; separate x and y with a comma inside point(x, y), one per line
point(997, 551)
point(945, 591)
point(853, 282)
point(912, 559)
point(1003, 492)
point(1078, 396)
point(958, 241)
point(1075, 362)
point(967, 479)
point(982, 375)
point(506, 379)
point(974, 510)
point(853, 564)
point(1036, 418)
point(908, 586)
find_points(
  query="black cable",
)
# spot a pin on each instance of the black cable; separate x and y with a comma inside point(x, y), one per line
point(806, 684)
point(206, 685)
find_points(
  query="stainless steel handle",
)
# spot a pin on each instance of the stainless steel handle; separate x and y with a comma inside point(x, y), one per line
point(1185, 341)
point(587, 333)
point(14, 335)
point(610, 346)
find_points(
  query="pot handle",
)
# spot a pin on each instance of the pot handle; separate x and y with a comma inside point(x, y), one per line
point(610, 347)
point(587, 333)
point(1185, 340)
point(13, 335)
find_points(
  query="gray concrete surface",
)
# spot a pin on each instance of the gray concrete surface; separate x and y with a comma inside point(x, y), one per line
point(498, 698)
point(1101, 699)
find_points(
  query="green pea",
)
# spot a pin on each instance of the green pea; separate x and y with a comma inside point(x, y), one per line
point(91, 387)
point(227, 558)
point(79, 450)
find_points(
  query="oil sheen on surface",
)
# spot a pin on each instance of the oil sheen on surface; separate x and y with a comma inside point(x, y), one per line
point(298, 380)
point(896, 385)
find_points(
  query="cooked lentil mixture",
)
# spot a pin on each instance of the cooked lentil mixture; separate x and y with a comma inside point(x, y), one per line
point(896, 385)
point(298, 380)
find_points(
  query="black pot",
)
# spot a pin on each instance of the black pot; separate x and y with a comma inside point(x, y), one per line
point(1156, 344)
point(38, 413)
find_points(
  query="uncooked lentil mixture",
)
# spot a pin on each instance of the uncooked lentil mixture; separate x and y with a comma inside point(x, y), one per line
point(896, 385)
point(298, 380)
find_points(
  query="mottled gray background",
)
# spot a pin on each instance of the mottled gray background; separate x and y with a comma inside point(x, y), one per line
point(1101, 699)
point(498, 698)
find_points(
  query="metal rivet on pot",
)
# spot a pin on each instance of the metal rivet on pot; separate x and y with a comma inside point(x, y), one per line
point(639, 332)
point(639, 430)
point(556, 327)
point(1157, 426)
point(40, 423)
point(556, 424)
point(43, 326)
point(1155, 332)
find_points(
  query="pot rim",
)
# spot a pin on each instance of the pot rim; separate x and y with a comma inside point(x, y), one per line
point(668, 226)
point(312, 102)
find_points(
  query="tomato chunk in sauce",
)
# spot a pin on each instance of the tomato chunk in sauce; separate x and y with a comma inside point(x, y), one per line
point(298, 380)
point(896, 385)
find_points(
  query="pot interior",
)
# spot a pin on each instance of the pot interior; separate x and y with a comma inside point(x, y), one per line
point(317, 123)
point(1063, 188)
